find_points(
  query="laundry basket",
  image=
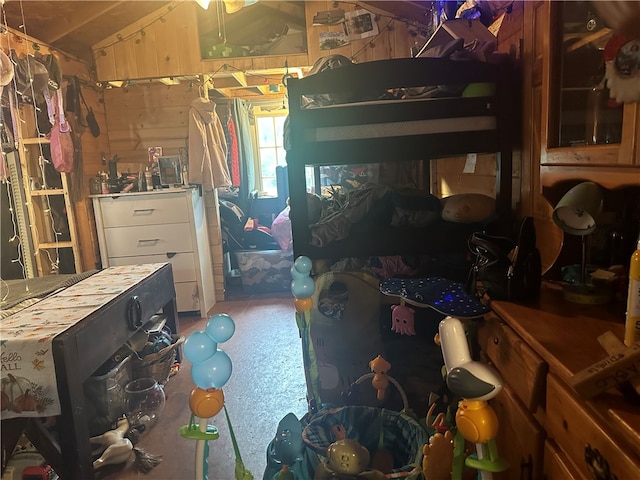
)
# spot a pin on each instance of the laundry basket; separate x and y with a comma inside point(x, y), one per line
point(157, 365)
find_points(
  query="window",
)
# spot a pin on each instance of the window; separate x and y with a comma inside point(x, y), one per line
point(271, 152)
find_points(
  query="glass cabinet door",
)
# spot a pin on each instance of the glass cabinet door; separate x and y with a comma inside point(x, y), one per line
point(585, 114)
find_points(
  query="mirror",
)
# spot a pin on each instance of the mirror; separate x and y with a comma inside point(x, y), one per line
point(256, 29)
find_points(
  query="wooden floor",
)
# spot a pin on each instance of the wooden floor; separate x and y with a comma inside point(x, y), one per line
point(267, 383)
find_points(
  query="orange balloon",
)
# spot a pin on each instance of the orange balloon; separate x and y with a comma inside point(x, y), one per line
point(303, 304)
point(206, 403)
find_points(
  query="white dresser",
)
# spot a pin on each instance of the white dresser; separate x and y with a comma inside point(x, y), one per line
point(160, 226)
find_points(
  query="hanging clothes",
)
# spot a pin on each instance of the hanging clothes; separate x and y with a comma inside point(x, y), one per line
point(234, 155)
point(207, 146)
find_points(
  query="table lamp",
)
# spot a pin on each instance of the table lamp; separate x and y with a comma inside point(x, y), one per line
point(577, 213)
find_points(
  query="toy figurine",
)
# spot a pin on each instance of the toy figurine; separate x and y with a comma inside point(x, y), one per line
point(476, 421)
point(347, 460)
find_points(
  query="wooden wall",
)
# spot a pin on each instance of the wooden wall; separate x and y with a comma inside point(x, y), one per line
point(91, 146)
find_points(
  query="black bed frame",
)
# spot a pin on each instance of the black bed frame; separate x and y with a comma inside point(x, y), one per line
point(381, 75)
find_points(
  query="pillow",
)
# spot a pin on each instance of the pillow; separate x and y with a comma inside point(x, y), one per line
point(468, 208)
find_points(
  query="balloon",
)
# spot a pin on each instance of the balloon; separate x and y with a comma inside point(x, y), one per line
point(303, 304)
point(212, 373)
point(302, 287)
point(199, 347)
point(206, 403)
point(295, 273)
point(303, 265)
point(220, 327)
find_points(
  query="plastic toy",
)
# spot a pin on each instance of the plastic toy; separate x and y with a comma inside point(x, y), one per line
point(402, 320)
point(115, 448)
point(443, 295)
point(347, 460)
point(476, 421)
point(210, 370)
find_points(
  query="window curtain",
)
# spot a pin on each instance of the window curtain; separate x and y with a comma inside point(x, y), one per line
point(243, 119)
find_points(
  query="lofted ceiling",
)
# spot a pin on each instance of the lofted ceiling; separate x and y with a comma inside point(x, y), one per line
point(74, 26)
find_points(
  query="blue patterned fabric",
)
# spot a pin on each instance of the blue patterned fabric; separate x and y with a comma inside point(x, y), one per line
point(444, 296)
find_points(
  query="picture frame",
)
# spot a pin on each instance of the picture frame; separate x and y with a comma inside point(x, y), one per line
point(170, 170)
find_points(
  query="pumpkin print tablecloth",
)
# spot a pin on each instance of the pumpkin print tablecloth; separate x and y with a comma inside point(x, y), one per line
point(28, 378)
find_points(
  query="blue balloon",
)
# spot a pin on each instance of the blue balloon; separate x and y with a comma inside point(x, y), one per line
point(213, 372)
point(303, 265)
point(220, 327)
point(302, 287)
point(295, 273)
point(199, 347)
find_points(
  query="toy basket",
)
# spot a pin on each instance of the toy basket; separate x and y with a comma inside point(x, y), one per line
point(157, 365)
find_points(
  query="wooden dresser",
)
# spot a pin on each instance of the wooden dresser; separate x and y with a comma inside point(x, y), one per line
point(160, 226)
point(546, 429)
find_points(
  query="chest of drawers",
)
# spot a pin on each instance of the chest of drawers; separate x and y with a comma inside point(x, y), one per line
point(160, 226)
point(548, 431)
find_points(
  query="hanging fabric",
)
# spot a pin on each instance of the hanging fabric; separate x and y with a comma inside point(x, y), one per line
point(207, 146)
point(243, 117)
point(60, 141)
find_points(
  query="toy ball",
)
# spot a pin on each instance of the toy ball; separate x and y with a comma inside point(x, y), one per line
point(213, 372)
point(348, 457)
point(199, 346)
point(303, 265)
point(220, 327)
point(303, 304)
point(206, 403)
point(302, 287)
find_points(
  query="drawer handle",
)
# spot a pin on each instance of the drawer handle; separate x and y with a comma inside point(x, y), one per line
point(597, 464)
point(143, 211)
point(151, 241)
point(134, 313)
point(171, 254)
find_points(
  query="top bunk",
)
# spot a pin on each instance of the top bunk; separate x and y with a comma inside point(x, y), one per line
point(393, 111)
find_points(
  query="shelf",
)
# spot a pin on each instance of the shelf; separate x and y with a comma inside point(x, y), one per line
point(588, 38)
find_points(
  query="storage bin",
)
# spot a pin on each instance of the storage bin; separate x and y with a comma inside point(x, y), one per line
point(265, 271)
point(157, 365)
point(105, 398)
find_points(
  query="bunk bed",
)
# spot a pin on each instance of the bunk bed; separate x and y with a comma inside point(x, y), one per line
point(374, 118)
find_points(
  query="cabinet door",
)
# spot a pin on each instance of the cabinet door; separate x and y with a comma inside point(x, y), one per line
point(585, 133)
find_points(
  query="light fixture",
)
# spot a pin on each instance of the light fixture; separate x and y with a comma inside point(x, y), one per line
point(203, 3)
point(233, 6)
point(577, 213)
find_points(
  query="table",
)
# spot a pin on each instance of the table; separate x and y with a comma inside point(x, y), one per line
point(129, 295)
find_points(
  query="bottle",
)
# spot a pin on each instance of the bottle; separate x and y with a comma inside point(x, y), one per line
point(148, 179)
point(632, 324)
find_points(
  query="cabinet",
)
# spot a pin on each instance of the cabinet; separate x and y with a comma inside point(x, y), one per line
point(51, 221)
point(584, 135)
point(160, 226)
point(546, 429)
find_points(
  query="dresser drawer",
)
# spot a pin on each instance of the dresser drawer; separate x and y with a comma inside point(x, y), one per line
point(575, 431)
point(188, 297)
point(136, 210)
point(520, 438)
point(183, 264)
point(148, 240)
point(518, 364)
point(556, 466)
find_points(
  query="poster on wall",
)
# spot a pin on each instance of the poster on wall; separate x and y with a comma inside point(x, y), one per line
point(359, 24)
point(331, 40)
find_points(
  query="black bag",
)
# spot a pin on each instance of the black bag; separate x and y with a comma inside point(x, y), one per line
point(92, 123)
point(505, 269)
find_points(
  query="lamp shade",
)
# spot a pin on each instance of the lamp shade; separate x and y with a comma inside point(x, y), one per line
point(578, 210)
